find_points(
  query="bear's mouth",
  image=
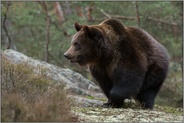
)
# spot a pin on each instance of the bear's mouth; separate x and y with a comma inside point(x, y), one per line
point(76, 59)
point(79, 59)
point(73, 60)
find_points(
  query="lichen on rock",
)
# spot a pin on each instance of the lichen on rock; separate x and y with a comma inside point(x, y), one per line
point(88, 98)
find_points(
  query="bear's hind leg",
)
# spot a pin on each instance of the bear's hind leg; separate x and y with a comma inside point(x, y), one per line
point(147, 98)
point(125, 85)
point(152, 84)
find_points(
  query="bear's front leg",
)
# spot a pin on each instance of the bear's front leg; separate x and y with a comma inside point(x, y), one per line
point(117, 96)
point(109, 104)
point(102, 79)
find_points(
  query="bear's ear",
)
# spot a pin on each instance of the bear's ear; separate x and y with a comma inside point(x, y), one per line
point(93, 33)
point(86, 30)
point(77, 26)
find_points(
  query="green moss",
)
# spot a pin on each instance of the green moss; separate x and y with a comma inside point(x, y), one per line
point(167, 109)
point(90, 97)
point(96, 98)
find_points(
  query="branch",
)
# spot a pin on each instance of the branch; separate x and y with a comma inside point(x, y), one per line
point(134, 18)
point(161, 21)
point(116, 16)
point(4, 26)
point(123, 17)
point(103, 12)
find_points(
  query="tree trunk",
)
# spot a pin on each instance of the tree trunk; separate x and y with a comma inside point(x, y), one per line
point(79, 11)
point(47, 33)
point(68, 9)
point(4, 25)
point(137, 14)
point(89, 13)
point(59, 12)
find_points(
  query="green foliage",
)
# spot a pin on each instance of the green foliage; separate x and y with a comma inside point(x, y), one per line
point(29, 96)
point(26, 25)
point(27, 20)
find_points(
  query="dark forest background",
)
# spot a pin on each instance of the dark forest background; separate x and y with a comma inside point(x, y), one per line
point(43, 30)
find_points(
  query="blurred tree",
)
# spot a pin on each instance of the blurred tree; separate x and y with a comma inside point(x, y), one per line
point(137, 14)
point(8, 42)
point(47, 29)
point(28, 19)
point(59, 12)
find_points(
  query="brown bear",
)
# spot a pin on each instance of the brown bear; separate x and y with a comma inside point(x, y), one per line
point(125, 61)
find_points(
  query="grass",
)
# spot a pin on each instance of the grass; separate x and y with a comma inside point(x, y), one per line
point(28, 95)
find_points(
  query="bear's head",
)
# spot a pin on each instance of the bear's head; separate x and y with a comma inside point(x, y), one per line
point(85, 44)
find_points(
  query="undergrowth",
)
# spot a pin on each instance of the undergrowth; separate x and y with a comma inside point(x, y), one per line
point(28, 95)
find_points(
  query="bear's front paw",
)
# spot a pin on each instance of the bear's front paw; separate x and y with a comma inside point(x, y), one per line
point(107, 104)
point(111, 105)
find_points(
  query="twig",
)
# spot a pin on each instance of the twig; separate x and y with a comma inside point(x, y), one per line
point(103, 12)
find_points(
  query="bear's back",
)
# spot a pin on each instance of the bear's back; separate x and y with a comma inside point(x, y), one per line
point(154, 50)
point(130, 38)
point(117, 26)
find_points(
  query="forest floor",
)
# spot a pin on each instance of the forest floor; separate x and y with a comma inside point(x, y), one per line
point(124, 115)
point(101, 114)
point(90, 109)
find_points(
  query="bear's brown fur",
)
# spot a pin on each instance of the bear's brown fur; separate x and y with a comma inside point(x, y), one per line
point(125, 61)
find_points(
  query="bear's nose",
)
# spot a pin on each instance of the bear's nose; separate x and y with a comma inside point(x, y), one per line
point(66, 56)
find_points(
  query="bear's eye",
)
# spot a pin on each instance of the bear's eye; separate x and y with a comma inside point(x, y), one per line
point(77, 46)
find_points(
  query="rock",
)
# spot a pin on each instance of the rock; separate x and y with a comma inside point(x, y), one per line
point(74, 82)
point(86, 94)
